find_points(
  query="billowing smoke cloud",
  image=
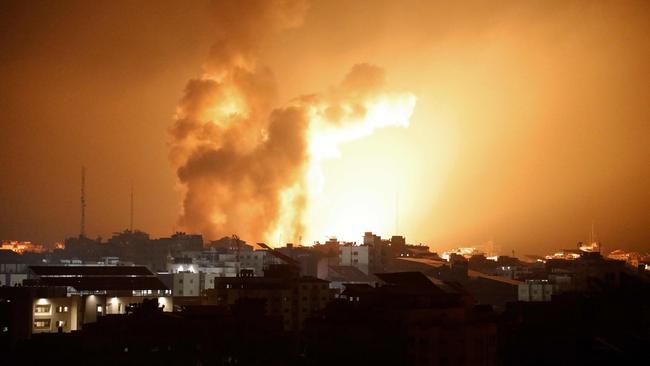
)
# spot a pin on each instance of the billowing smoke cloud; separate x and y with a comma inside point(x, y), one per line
point(246, 167)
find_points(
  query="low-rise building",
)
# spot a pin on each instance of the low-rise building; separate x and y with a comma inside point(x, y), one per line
point(63, 298)
point(285, 295)
point(357, 256)
point(536, 290)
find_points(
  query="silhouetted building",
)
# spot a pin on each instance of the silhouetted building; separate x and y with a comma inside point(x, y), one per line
point(408, 320)
point(283, 292)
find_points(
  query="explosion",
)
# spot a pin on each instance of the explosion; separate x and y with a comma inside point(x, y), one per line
point(248, 167)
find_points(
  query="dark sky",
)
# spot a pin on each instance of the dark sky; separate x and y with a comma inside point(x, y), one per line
point(532, 121)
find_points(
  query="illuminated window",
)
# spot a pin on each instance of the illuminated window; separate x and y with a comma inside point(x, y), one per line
point(62, 309)
point(60, 323)
point(100, 309)
point(42, 324)
point(42, 309)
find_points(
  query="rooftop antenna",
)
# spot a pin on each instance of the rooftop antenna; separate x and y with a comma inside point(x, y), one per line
point(593, 238)
point(82, 231)
point(131, 219)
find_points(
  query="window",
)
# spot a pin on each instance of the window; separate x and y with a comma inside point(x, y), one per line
point(42, 324)
point(62, 309)
point(100, 309)
point(60, 323)
point(42, 309)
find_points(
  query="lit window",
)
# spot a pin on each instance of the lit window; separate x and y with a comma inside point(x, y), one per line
point(60, 323)
point(42, 309)
point(99, 309)
point(62, 309)
point(42, 324)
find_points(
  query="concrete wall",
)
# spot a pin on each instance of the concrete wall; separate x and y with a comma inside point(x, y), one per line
point(12, 279)
point(355, 256)
point(535, 291)
point(186, 284)
point(62, 311)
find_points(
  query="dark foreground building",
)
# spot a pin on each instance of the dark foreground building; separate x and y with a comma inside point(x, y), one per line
point(409, 320)
point(203, 335)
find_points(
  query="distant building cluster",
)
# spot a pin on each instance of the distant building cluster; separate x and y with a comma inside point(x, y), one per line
point(21, 247)
point(180, 298)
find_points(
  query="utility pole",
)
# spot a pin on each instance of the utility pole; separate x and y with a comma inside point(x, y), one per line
point(397, 213)
point(82, 231)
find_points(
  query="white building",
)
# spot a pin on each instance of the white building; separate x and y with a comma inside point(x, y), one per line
point(253, 260)
point(186, 284)
point(12, 279)
point(355, 256)
point(536, 290)
point(221, 264)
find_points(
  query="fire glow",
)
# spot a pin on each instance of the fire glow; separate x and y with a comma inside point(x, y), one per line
point(246, 165)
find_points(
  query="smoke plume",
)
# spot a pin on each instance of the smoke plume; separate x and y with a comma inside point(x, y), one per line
point(248, 167)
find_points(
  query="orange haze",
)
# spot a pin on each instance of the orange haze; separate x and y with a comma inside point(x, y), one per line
point(532, 119)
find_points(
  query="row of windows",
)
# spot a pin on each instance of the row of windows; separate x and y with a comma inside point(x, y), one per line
point(42, 324)
point(42, 309)
point(45, 309)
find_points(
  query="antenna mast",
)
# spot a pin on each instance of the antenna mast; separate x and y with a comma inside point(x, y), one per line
point(131, 221)
point(82, 231)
